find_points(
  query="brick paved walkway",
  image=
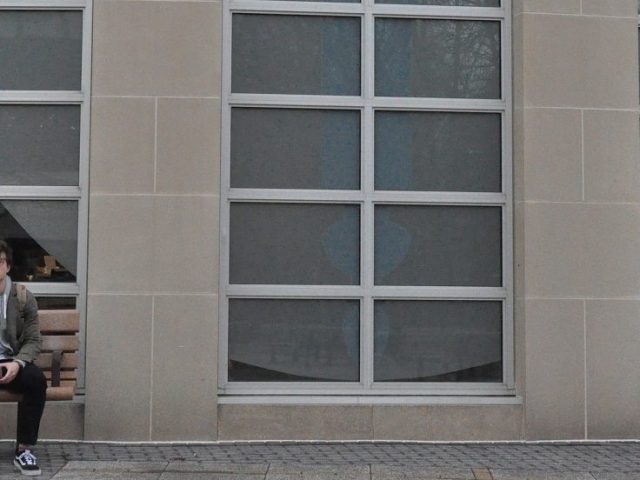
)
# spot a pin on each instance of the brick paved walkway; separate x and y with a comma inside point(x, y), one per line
point(349, 461)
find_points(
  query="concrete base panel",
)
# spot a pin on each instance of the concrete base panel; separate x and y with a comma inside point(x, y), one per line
point(61, 421)
point(367, 422)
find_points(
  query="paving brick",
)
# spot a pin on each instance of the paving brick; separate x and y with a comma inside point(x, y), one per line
point(539, 475)
point(384, 472)
point(218, 467)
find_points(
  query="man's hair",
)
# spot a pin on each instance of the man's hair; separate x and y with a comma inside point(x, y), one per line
point(8, 253)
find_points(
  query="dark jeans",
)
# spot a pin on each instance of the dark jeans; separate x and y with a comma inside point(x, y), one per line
point(30, 382)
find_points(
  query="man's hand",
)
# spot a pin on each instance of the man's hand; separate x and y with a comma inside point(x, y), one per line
point(12, 370)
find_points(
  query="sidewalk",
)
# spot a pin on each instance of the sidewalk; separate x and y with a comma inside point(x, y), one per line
point(320, 461)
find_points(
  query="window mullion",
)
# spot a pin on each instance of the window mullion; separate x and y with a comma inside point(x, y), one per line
point(508, 352)
point(26, 192)
point(43, 4)
point(367, 247)
point(293, 8)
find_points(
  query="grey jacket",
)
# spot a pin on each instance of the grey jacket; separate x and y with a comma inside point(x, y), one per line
point(23, 331)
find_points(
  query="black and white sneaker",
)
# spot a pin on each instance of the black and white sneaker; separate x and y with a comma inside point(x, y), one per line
point(27, 463)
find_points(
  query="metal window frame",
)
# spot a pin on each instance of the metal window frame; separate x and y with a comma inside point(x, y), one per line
point(366, 293)
point(80, 193)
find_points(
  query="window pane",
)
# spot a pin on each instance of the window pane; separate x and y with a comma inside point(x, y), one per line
point(40, 50)
point(437, 58)
point(39, 144)
point(294, 340)
point(438, 246)
point(434, 151)
point(44, 237)
point(56, 303)
point(438, 341)
point(294, 54)
point(295, 244)
point(448, 3)
point(295, 148)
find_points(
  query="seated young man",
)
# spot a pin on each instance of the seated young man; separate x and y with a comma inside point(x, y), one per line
point(19, 346)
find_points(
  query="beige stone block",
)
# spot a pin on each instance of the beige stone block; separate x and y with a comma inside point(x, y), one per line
point(62, 420)
point(122, 145)
point(118, 383)
point(294, 422)
point(552, 154)
point(516, 7)
point(546, 6)
point(517, 53)
point(156, 48)
point(474, 422)
point(611, 152)
point(613, 362)
point(554, 397)
point(582, 250)
point(120, 244)
point(622, 8)
point(520, 345)
point(407, 422)
point(568, 61)
point(188, 145)
point(185, 339)
point(185, 237)
point(518, 155)
point(519, 242)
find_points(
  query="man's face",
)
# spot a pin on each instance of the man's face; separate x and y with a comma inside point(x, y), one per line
point(4, 267)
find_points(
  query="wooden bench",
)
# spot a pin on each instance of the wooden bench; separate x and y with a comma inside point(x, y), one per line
point(59, 356)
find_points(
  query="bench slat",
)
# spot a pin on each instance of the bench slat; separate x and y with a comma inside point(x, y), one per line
point(64, 392)
point(6, 396)
point(66, 343)
point(61, 393)
point(59, 321)
point(64, 383)
point(69, 360)
point(64, 375)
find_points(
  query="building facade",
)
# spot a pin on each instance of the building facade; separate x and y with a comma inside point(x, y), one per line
point(412, 220)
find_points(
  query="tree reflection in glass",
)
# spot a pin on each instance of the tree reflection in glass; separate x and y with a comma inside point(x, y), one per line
point(437, 58)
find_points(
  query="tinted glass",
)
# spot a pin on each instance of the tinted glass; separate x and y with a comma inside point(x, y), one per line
point(40, 50)
point(438, 341)
point(295, 244)
point(44, 237)
point(39, 144)
point(294, 340)
point(56, 303)
point(295, 148)
point(437, 58)
point(434, 151)
point(438, 246)
point(293, 54)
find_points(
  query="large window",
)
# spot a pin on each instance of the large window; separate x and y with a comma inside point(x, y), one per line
point(44, 119)
point(366, 198)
